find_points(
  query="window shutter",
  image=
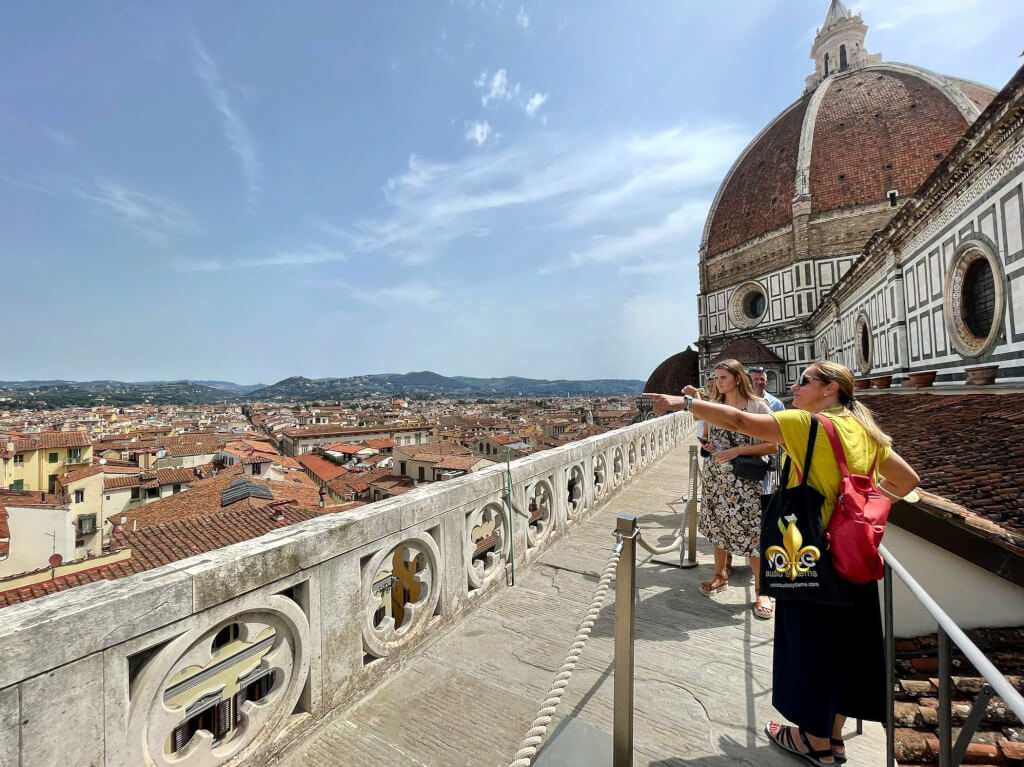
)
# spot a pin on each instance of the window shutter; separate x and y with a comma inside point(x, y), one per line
point(240, 697)
point(178, 738)
point(222, 718)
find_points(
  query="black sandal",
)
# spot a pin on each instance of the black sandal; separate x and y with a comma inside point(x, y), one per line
point(784, 740)
point(838, 743)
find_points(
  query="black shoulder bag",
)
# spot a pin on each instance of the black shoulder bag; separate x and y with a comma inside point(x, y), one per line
point(795, 562)
point(752, 467)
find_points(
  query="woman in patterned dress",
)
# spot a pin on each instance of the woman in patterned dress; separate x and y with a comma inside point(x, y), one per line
point(730, 511)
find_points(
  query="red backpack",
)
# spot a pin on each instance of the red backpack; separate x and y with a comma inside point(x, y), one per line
point(858, 521)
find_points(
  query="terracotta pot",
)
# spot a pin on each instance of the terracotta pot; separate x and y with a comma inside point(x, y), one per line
point(862, 383)
point(982, 375)
point(882, 382)
point(920, 380)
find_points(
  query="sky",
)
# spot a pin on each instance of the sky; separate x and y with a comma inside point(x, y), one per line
point(249, 191)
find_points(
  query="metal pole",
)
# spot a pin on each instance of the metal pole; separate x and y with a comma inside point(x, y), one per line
point(691, 512)
point(945, 701)
point(890, 672)
point(625, 601)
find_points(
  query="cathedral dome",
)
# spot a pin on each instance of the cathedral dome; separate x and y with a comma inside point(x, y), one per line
point(862, 131)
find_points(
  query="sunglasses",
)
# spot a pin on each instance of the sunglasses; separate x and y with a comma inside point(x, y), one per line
point(806, 380)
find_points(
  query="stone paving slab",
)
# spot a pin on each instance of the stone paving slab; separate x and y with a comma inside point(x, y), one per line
point(702, 665)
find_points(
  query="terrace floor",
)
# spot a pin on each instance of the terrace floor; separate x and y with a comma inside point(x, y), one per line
point(702, 680)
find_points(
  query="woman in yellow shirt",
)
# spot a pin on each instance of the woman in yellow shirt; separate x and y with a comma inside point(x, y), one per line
point(829, 661)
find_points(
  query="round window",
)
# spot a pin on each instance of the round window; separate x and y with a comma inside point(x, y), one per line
point(754, 306)
point(748, 305)
point(863, 343)
point(979, 298)
point(974, 298)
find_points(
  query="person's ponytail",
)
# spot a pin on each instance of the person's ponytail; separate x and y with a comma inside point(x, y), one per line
point(843, 376)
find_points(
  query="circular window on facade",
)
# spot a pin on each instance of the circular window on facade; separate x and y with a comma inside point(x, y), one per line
point(862, 342)
point(974, 298)
point(748, 305)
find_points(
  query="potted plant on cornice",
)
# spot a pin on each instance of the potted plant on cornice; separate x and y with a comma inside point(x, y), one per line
point(921, 379)
point(882, 382)
point(981, 375)
point(862, 383)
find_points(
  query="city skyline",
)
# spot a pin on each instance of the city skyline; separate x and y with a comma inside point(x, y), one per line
point(193, 194)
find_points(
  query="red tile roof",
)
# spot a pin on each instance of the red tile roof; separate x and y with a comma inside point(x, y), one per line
point(205, 496)
point(161, 544)
point(52, 439)
point(322, 468)
point(967, 448)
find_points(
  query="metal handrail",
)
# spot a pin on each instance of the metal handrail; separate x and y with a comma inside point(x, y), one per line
point(997, 683)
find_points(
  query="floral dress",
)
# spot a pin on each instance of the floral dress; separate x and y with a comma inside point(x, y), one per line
point(730, 510)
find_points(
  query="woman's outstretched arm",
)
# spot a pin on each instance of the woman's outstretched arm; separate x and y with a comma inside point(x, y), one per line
point(757, 425)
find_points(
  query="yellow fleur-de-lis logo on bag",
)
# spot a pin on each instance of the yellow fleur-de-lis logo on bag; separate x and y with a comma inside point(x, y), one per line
point(792, 557)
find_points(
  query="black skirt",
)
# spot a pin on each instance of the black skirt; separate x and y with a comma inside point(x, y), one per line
point(829, 660)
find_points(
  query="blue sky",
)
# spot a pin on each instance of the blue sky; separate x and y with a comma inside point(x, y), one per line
point(247, 191)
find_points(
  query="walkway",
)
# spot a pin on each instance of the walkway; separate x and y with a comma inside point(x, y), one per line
point(703, 666)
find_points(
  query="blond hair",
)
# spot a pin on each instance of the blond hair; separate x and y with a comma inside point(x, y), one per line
point(835, 373)
point(742, 380)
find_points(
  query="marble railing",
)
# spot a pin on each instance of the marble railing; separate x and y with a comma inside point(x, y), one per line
point(229, 656)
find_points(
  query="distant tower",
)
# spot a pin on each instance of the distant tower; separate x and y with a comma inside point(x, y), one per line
point(839, 45)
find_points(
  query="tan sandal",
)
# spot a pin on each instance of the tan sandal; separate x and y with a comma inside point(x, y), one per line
point(764, 611)
point(716, 584)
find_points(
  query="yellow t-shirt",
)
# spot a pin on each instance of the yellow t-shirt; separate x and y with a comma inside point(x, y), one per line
point(825, 476)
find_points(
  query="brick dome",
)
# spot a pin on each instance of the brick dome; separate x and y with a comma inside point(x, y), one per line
point(847, 142)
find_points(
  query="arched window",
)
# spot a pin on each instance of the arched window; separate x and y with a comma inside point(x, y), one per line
point(826, 65)
point(842, 58)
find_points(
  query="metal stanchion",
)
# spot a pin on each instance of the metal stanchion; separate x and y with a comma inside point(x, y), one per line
point(691, 513)
point(625, 602)
point(689, 558)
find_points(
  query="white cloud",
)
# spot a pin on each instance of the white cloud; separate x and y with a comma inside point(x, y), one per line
point(496, 87)
point(235, 131)
point(155, 219)
point(285, 258)
point(536, 101)
point(648, 238)
point(523, 18)
point(960, 24)
point(478, 132)
point(644, 193)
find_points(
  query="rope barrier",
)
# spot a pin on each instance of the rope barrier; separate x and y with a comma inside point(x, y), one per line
point(535, 735)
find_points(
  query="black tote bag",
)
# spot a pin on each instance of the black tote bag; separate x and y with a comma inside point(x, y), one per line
point(795, 563)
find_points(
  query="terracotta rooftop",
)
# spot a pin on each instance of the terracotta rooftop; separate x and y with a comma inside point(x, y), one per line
point(324, 470)
point(51, 439)
point(164, 543)
point(976, 458)
point(747, 350)
point(204, 499)
point(999, 738)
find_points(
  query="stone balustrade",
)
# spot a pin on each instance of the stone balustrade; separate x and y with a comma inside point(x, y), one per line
point(229, 656)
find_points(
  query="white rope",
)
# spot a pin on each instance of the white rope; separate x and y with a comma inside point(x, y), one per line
point(535, 735)
point(674, 546)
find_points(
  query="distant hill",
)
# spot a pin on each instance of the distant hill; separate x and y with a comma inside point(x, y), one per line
point(47, 394)
point(422, 384)
point(231, 387)
point(427, 383)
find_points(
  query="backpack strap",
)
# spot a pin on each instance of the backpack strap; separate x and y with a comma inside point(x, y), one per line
point(812, 434)
point(837, 446)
